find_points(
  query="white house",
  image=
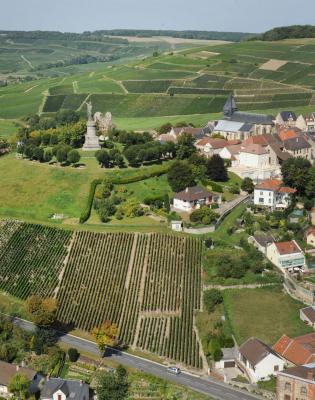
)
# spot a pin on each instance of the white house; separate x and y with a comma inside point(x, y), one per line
point(259, 360)
point(310, 236)
point(286, 118)
point(261, 241)
point(61, 389)
point(193, 198)
point(306, 123)
point(286, 255)
point(7, 373)
point(307, 315)
point(272, 194)
point(254, 162)
point(209, 146)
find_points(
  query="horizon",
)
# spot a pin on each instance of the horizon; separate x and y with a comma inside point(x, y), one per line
point(249, 16)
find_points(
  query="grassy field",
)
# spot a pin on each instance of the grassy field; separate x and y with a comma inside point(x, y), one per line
point(251, 312)
point(7, 128)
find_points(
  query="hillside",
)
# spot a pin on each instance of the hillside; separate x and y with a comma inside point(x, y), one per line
point(289, 32)
point(190, 84)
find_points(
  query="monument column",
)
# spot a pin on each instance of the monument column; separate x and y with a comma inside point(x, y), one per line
point(91, 139)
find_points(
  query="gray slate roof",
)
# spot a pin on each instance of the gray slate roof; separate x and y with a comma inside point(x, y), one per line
point(298, 143)
point(287, 115)
point(73, 390)
point(252, 118)
point(263, 238)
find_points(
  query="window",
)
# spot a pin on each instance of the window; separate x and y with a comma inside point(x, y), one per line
point(261, 199)
point(287, 386)
point(303, 390)
point(287, 397)
point(59, 396)
point(276, 368)
point(261, 193)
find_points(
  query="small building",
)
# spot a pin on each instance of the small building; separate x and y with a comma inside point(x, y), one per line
point(286, 255)
point(307, 315)
point(286, 118)
point(8, 372)
point(260, 360)
point(177, 226)
point(271, 193)
point(193, 198)
point(209, 146)
point(295, 216)
point(61, 389)
point(306, 123)
point(228, 358)
point(298, 147)
point(310, 236)
point(261, 241)
point(296, 383)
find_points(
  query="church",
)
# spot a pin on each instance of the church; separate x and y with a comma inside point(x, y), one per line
point(239, 125)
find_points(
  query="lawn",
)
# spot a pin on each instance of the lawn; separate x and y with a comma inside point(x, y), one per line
point(7, 128)
point(266, 313)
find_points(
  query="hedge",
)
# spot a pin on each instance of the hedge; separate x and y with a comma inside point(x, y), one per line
point(86, 213)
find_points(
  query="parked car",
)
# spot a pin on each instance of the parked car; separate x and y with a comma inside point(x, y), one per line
point(173, 370)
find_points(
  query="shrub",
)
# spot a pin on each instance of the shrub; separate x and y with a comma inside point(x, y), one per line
point(211, 298)
point(73, 354)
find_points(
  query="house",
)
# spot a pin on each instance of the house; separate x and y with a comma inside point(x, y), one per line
point(298, 147)
point(296, 383)
point(287, 133)
point(229, 355)
point(61, 389)
point(295, 216)
point(193, 198)
point(287, 255)
point(272, 194)
point(297, 351)
point(209, 146)
point(310, 236)
point(307, 315)
point(286, 118)
point(174, 133)
point(307, 123)
point(259, 123)
point(261, 241)
point(231, 152)
point(254, 162)
point(259, 360)
point(8, 371)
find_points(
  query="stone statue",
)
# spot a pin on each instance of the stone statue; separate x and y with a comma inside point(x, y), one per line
point(89, 110)
point(105, 123)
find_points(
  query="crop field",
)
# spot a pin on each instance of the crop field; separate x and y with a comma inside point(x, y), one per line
point(192, 82)
point(32, 257)
point(149, 284)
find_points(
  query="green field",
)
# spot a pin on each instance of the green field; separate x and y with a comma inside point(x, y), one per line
point(266, 313)
point(191, 83)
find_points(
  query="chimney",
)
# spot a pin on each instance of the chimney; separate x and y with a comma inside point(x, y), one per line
point(310, 375)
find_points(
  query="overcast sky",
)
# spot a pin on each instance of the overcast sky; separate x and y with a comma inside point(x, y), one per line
point(219, 15)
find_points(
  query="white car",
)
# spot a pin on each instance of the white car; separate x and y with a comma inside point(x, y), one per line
point(173, 370)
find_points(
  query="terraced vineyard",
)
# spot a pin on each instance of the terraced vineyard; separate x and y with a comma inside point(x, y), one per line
point(149, 284)
point(31, 257)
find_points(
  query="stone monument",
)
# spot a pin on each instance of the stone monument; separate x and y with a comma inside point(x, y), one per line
point(105, 122)
point(91, 139)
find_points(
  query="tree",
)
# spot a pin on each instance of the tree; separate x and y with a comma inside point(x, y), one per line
point(310, 186)
point(295, 173)
point(103, 158)
point(66, 117)
point(248, 185)
point(62, 154)
point(106, 335)
point(216, 170)
point(180, 176)
point(42, 310)
point(19, 386)
point(112, 385)
point(73, 157)
point(164, 128)
point(38, 154)
point(211, 298)
point(48, 155)
point(73, 354)
point(185, 146)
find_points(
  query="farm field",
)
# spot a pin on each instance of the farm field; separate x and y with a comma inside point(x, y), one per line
point(251, 312)
point(154, 286)
point(149, 284)
point(186, 83)
point(7, 128)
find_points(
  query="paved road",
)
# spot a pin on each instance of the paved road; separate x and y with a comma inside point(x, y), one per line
point(205, 385)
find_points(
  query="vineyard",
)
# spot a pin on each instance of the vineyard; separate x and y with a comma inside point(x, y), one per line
point(149, 284)
point(31, 257)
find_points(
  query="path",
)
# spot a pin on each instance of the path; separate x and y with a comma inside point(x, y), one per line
point(27, 62)
point(249, 286)
point(206, 385)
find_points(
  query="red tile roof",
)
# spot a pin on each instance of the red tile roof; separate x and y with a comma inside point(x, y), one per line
point(285, 134)
point(294, 351)
point(254, 149)
point(270, 184)
point(215, 143)
point(285, 189)
point(289, 247)
point(258, 139)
